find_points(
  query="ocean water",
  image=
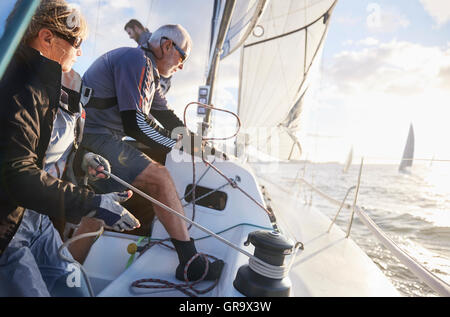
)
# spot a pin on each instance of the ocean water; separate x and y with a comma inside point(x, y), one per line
point(413, 209)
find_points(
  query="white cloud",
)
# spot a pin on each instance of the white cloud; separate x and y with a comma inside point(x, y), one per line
point(348, 20)
point(438, 9)
point(371, 94)
point(396, 67)
point(370, 41)
point(347, 43)
point(385, 19)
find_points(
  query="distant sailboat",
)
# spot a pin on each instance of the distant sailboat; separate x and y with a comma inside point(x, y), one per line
point(408, 153)
point(348, 162)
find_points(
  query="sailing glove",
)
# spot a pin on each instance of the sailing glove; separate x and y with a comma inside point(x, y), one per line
point(114, 215)
point(93, 165)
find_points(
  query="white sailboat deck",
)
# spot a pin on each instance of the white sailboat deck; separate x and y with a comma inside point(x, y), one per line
point(329, 265)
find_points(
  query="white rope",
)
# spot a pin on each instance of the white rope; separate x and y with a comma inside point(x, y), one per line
point(71, 260)
point(273, 271)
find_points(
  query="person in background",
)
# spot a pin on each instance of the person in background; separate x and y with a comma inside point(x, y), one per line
point(137, 32)
point(37, 133)
point(142, 35)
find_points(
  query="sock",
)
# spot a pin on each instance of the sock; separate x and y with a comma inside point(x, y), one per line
point(186, 250)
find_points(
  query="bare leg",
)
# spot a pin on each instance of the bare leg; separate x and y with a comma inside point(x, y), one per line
point(80, 248)
point(156, 181)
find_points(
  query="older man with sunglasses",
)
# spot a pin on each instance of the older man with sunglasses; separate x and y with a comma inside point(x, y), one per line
point(126, 98)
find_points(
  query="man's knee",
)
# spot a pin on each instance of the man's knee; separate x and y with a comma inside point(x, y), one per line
point(154, 177)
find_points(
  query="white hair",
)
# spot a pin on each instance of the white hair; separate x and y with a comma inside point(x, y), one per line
point(174, 32)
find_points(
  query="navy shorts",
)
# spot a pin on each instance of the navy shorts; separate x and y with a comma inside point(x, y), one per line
point(126, 161)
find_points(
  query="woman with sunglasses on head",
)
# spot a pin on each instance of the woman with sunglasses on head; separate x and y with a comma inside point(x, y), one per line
point(37, 134)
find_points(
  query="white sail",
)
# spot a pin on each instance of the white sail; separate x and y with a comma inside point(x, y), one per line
point(348, 162)
point(245, 16)
point(275, 63)
point(408, 152)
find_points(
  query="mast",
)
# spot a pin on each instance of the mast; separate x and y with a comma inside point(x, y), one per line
point(214, 65)
point(15, 30)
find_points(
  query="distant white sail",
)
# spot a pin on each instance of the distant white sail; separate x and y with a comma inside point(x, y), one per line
point(349, 160)
point(275, 63)
point(408, 153)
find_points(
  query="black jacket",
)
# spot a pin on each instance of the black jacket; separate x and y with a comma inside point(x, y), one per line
point(29, 97)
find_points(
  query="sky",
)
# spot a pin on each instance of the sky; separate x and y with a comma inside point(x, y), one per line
point(385, 65)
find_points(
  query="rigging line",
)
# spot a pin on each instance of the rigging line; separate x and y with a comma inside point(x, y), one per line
point(96, 28)
point(206, 195)
point(194, 184)
point(149, 13)
point(198, 181)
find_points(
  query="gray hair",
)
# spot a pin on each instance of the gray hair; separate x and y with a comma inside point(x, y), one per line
point(176, 33)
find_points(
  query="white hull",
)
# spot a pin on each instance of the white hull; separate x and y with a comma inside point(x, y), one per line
point(329, 265)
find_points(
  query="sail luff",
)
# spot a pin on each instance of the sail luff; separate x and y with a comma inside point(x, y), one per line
point(260, 7)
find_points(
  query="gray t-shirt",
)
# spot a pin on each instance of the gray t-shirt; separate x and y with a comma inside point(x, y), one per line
point(129, 75)
point(144, 37)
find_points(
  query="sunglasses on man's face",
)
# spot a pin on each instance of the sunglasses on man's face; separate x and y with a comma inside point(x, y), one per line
point(182, 53)
point(72, 40)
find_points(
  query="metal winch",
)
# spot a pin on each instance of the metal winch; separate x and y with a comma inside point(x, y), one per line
point(269, 280)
